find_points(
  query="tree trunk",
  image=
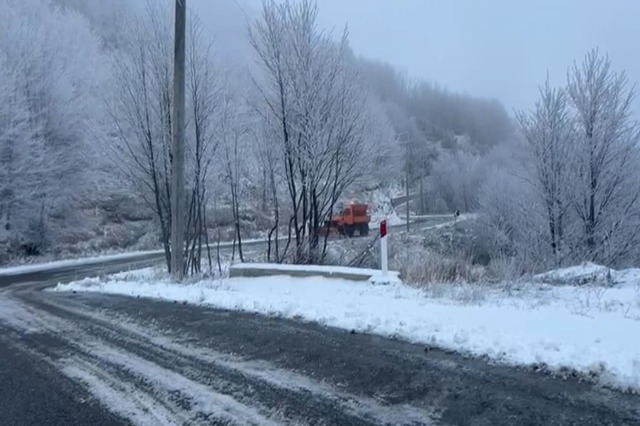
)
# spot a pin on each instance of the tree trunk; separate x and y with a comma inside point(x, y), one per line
point(422, 200)
point(264, 190)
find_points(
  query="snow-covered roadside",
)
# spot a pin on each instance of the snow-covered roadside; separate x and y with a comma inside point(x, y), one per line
point(591, 330)
point(47, 266)
point(38, 267)
point(590, 274)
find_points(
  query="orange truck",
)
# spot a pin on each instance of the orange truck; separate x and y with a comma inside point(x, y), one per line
point(354, 217)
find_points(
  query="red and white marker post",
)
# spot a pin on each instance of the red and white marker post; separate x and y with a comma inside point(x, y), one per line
point(384, 261)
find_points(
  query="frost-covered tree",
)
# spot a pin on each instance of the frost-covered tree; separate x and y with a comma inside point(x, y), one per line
point(513, 220)
point(412, 154)
point(312, 97)
point(580, 168)
point(236, 136)
point(606, 155)
point(205, 91)
point(19, 147)
point(455, 180)
point(141, 112)
point(548, 133)
point(46, 52)
point(382, 158)
point(107, 18)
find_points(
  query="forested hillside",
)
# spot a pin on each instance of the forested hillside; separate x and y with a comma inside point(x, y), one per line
point(85, 123)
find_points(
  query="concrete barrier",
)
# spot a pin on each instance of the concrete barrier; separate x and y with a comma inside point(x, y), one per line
point(254, 270)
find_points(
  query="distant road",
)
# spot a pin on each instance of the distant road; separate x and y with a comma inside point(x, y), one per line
point(81, 268)
point(395, 202)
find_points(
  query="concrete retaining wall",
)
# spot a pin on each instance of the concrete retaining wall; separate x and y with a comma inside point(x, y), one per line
point(253, 270)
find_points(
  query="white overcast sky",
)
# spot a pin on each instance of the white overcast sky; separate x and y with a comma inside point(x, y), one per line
point(491, 48)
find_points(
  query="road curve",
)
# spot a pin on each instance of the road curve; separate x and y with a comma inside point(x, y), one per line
point(78, 359)
point(71, 359)
point(123, 262)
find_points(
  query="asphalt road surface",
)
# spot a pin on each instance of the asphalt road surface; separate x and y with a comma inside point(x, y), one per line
point(89, 359)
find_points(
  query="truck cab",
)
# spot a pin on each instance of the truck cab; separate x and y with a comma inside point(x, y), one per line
point(353, 217)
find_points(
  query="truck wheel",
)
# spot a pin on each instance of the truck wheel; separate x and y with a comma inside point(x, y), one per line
point(364, 230)
point(350, 231)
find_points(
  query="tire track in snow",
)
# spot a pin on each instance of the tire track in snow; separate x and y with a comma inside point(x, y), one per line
point(125, 399)
point(141, 390)
point(266, 381)
point(188, 401)
point(109, 378)
point(173, 383)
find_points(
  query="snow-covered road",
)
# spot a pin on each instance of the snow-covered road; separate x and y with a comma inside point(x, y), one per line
point(150, 375)
point(90, 358)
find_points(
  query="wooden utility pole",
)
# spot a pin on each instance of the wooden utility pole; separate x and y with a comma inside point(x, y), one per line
point(177, 163)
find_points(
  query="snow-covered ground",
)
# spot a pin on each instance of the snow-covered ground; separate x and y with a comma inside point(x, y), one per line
point(591, 329)
point(590, 274)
